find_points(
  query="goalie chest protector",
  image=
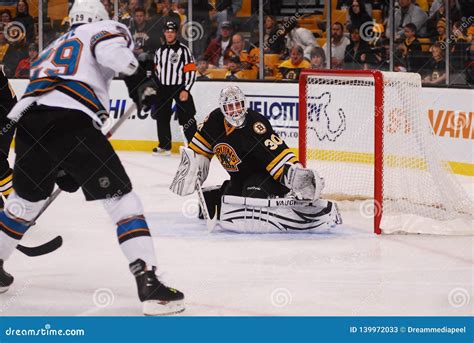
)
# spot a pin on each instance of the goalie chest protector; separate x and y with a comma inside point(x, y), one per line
point(253, 148)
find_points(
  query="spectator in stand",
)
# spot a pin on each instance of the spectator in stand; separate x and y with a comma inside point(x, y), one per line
point(274, 36)
point(441, 30)
point(338, 45)
point(234, 69)
point(318, 58)
point(299, 36)
point(202, 69)
point(6, 16)
point(354, 51)
point(291, 68)
point(23, 68)
point(411, 49)
point(408, 13)
point(4, 45)
point(436, 66)
point(168, 14)
point(454, 8)
point(434, 18)
point(11, 52)
point(237, 46)
point(219, 48)
point(226, 10)
point(459, 47)
point(200, 13)
point(23, 16)
point(109, 6)
point(358, 15)
point(144, 36)
point(127, 12)
point(146, 42)
point(249, 59)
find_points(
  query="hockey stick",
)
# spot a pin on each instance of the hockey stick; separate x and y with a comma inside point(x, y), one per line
point(56, 242)
point(210, 222)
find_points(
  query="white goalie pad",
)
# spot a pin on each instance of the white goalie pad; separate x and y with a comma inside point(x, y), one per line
point(251, 215)
point(193, 168)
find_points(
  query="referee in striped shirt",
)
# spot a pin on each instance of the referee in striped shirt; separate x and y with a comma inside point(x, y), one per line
point(175, 73)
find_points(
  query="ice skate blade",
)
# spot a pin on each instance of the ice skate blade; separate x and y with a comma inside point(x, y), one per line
point(4, 289)
point(161, 308)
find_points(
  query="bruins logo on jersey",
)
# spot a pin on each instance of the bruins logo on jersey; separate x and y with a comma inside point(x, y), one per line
point(227, 156)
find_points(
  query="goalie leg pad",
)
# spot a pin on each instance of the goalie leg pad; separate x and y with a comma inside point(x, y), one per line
point(193, 168)
point(248, 215)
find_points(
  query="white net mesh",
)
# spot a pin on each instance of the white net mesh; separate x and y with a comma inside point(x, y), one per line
point(420, 192)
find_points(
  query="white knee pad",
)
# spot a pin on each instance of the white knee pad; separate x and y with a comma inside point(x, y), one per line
point(17, 207)
point(123, 207)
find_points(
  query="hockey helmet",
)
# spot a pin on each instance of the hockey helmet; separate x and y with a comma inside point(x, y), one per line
point(233, 105)
point(87, 11)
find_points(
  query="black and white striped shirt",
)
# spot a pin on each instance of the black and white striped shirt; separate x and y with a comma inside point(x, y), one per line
point(174, 65)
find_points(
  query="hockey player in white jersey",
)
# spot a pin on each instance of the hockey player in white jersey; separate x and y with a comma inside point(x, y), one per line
point(68, 91)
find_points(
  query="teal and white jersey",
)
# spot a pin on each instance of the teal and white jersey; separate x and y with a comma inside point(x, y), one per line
point(75, 70)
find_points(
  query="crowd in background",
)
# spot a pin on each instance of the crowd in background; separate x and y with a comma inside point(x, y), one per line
point(225, 38)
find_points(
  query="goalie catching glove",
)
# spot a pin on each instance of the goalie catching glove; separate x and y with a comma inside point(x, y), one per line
point(304, 183)
point(193, 168)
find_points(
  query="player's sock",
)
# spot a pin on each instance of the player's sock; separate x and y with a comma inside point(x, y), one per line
point(157, 298)
point(5, 279)
point(11, 231)
point(135, 240)
point(132, 229)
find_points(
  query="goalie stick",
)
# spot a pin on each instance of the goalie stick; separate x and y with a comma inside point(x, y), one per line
point(210, 222)
point(56, 242)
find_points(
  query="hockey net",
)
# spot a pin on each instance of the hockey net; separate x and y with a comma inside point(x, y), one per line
point(365, 133)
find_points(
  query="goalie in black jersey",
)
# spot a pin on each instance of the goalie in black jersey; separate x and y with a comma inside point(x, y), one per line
point(7, 101)
point(268, 188)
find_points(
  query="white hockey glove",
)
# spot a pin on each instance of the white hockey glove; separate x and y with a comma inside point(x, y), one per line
point(304, 183)
point(193, 168)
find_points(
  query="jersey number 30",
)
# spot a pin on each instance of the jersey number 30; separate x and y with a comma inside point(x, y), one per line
point(64, 60)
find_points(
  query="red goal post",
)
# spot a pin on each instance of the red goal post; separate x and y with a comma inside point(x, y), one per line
point(366, 134)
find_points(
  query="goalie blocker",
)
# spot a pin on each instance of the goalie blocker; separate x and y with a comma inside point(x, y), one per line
point(260, 165)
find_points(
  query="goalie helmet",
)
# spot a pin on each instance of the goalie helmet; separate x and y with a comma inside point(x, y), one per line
point(233, 105)
point(87, 11)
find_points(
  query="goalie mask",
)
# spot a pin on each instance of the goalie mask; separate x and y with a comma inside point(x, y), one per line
point(87, 11)
point(233, 105)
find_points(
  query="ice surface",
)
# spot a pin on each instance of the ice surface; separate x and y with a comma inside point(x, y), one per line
point(348, 272)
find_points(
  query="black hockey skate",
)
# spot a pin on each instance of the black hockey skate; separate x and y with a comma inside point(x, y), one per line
point(157, 298)
point(5, 279)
